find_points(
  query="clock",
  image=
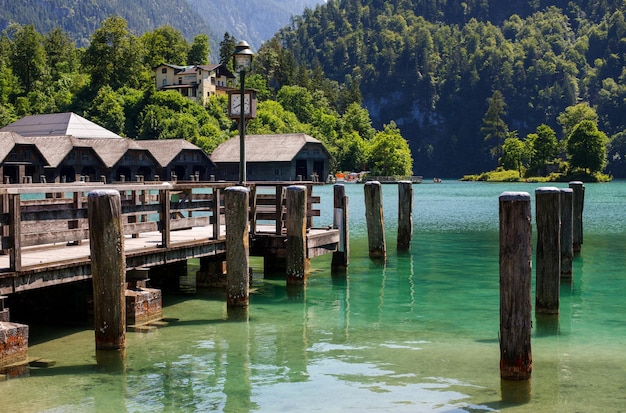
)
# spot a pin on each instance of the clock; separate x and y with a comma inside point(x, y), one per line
point(235, 105)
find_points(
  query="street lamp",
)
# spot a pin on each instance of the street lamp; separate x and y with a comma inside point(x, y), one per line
point(242, 62)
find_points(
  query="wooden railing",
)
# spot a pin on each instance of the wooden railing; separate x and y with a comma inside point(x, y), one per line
point(43, 214)
point(37, 215)
point(267, 205)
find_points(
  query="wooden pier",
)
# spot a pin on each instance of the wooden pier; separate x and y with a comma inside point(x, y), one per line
point(45, 234)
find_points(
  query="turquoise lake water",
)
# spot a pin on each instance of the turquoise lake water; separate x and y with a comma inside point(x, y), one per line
point(415, 333)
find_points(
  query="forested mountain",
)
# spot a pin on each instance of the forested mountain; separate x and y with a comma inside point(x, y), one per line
point(434, 67)
point(80, 18)
point(253, 20)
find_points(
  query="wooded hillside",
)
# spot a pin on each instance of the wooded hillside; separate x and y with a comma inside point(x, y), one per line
point(434, 66)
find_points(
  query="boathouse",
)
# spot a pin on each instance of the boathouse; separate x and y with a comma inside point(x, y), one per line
point(65, 147)
point(282, 157)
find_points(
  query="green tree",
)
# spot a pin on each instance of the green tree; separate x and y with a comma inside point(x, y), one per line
point(298, 100)
point(29, 57)
point(494, 127)
point(544, 148)
point(165, 45)
point(113, 56)
point(350, 152)
point(515, 154)
point(227, 47)
point(61, 52)
point(107, 110)
point(200, 50)
point(586, 147)
point(273, 118)
point(357, 119)
point(573, 115)
point(390, 153)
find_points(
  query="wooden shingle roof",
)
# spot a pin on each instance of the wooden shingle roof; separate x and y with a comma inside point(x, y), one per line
point(7, 143)
point(265, 148)
point(166, 150)
point(53, 148)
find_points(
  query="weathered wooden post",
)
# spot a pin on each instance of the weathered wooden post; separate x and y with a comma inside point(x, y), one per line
point(375, 220)
point(15, 231)
point(515, 279)
point(578, 203)
point(548, 276)
point(405, 215)
point(297, 261)
point(341, 257)
point(567, 226)
point(237, 243)
point(108, 270)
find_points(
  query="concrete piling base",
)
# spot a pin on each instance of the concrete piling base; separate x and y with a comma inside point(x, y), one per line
point(13, 343)
point(143, 305)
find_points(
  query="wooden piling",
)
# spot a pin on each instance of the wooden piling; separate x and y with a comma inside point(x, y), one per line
point(237, 246)
point(567, 236)
point(375, 220)
point(108, 269)
point(341, 257)
point(515, 279)
point(578, 203)
point(405, 215)
point(548, 275)
point(297, 261)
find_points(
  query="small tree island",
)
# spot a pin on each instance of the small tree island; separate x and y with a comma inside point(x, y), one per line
point(540, 156)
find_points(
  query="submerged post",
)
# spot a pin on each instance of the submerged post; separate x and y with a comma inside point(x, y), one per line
point(297, 261)
point(548, 276)
point(405, 215)
point(578, 203)
point(237, 251)
point(515, 279)
point(567, 225)
point(108, 269)
point(375, 220)
point(341, 257)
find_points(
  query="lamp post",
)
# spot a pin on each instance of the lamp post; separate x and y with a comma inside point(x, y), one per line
point(242, 62)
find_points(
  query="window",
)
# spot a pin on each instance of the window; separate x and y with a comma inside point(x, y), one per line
point(164, 82)
point(164, 70)
point(180, 80)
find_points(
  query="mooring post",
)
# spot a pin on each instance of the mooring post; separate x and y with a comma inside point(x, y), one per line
point(237, 243)
point(578, 203)
point(567, 236)
point(405, 215)
point(515, 279)
point(108, 269)
point(548, 276)
point(341, 257)
point(375, 220)
point(297, 261)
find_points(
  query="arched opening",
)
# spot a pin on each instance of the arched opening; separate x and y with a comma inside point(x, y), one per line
point(68, 174)
point(200, 171)
point(180, 170)
point(90, 172)
point(146, 172)
point(123, 171)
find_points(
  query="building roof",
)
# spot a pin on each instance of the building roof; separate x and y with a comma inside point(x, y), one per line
point(54, 149)
point(265, 148)
point(59, 124)
point(166, 150)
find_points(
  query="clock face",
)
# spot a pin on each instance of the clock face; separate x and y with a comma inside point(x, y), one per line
point(235, 104)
